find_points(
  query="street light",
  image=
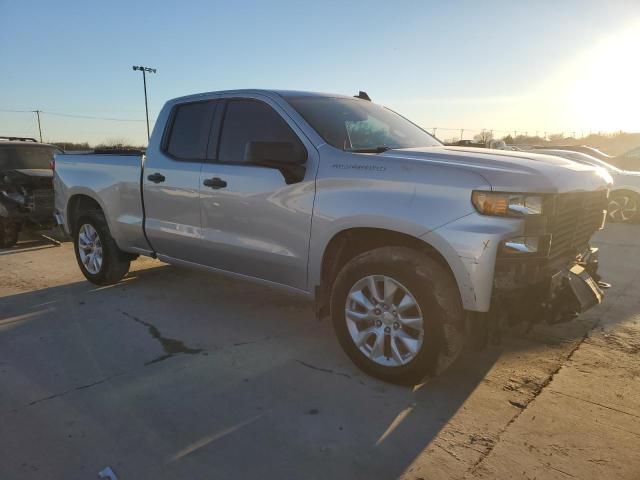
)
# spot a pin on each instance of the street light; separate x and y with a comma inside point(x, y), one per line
point(144, 71)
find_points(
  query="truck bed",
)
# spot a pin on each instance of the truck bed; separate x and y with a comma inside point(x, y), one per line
point(114, 180)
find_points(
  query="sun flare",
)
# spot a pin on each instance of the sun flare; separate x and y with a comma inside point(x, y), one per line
point(605, 93)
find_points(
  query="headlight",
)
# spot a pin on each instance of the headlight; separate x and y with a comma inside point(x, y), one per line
point(507, 204)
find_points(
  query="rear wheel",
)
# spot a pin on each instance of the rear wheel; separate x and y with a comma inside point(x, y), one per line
point(9, 231)
point(99, 258)
point(623, 206)
point(397, 314)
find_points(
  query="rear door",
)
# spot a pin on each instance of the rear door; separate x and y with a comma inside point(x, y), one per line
point(171, 180)
point(254, 223)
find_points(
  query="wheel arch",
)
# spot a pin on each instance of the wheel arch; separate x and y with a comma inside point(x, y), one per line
point(625, 189)
point(78, 204)
point(351, 242)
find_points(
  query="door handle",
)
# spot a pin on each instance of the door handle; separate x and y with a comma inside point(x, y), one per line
point(215, 183)
point(156, 178)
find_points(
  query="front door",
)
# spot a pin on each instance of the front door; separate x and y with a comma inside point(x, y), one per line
point(254, 223)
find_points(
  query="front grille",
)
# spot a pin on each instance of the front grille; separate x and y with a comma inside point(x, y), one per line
point(577, 216)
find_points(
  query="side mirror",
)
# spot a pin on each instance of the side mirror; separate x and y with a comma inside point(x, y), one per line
point(283, 156)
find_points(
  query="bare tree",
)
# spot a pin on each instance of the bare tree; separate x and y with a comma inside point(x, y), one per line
point(485, 136)
point(115, 142)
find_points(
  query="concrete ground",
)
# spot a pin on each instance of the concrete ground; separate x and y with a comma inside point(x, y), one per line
point(179, 374)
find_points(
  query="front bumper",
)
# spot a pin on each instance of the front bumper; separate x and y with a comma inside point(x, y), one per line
point(535, 294)
point(485, 266)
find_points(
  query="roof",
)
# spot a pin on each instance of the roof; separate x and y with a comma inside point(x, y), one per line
point(266, 92)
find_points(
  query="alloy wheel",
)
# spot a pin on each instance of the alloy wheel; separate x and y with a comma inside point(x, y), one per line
point(90, 248)
point(622, 208)
point(384, 320)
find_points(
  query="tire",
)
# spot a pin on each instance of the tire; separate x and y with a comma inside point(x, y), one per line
point(408, 355)
point(624, 207)
point(9, 231)
point(114, 262)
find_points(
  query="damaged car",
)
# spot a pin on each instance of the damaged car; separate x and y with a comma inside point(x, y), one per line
point(26, 188)
point(410, 247)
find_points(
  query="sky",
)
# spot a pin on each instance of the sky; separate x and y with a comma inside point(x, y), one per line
point(508, 66)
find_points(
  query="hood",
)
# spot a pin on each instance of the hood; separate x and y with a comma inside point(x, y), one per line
point(512, 171)
point(626, 180)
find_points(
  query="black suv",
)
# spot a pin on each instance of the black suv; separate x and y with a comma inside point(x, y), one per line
point(26, 186)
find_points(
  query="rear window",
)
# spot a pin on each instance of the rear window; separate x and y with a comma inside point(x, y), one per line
point(18, 156)
point(189, 134)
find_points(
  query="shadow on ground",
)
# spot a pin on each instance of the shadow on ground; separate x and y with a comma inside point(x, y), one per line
point(267, 379)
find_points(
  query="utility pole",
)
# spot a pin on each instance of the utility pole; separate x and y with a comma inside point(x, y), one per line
point(37, 112)
point(144, 71)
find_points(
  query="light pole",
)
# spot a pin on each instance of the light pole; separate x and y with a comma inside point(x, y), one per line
point(37, 112)
point(144, 71)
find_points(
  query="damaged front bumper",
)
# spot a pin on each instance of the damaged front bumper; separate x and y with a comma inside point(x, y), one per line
point(539, 293)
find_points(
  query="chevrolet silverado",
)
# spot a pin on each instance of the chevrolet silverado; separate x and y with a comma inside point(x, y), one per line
point(412, 248)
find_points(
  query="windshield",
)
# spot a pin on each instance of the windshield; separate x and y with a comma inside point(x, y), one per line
point(23, 157)
point(359, 125)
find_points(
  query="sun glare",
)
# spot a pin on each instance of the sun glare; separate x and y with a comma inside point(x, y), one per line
point(605, 93)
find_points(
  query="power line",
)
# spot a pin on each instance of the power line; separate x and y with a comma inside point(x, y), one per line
point(72, 115)
point(89, 117)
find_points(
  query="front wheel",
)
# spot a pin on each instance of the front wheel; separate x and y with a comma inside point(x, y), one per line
point(99, 258)
point(397, 314)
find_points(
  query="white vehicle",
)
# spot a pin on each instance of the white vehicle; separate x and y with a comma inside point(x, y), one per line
point(624, 199)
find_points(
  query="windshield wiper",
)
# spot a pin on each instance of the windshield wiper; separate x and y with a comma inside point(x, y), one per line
point(378, 149)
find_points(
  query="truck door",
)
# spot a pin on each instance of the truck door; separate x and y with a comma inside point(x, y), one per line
point(254, 221)
point(171, 181)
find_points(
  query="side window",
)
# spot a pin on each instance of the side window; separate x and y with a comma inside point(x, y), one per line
point(251, 121)
point(190, 130)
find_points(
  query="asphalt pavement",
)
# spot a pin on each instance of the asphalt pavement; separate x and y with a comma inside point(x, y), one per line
point(181, 374)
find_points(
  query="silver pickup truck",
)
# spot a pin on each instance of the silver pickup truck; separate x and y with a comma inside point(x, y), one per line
point(412, 248)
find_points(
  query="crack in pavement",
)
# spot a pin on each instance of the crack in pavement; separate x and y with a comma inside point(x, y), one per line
point(71, 390)
point(447, 451)
point(249, 342)
point(594, 403)
point(548, 465)
point(326, 370)
point(171, 346)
